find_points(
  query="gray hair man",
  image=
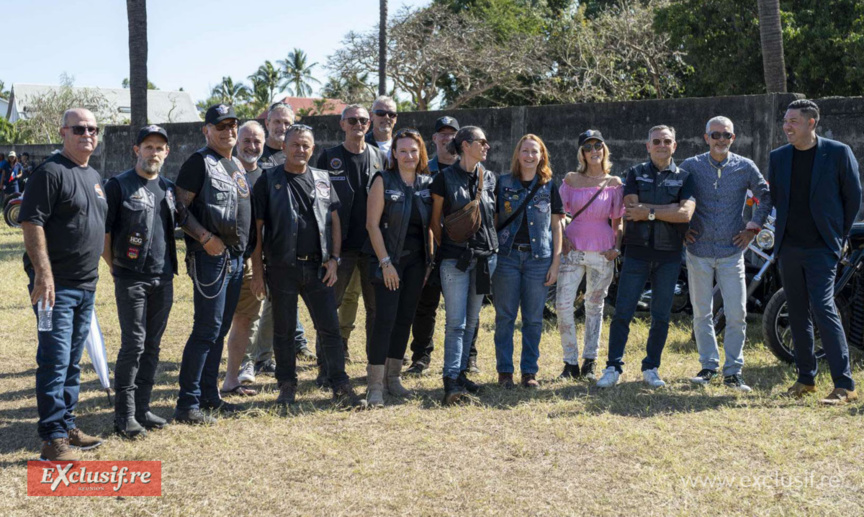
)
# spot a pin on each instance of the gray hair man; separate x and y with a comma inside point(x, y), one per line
point(716, 241)
point(63, 219)
point(279, 117)
point(384, 116)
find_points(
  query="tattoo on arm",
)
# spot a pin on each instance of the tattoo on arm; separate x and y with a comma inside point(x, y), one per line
point(185, 219)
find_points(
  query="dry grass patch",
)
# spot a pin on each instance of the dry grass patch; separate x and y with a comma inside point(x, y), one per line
point(564, 449)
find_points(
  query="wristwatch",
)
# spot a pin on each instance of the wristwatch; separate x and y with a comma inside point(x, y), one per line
point(651, 215)
point(337, 259)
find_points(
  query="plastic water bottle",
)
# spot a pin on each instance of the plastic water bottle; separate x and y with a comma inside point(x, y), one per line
point(46, 313)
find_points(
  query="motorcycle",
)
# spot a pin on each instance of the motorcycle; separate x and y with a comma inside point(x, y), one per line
point(11, 208)
point(848, 297)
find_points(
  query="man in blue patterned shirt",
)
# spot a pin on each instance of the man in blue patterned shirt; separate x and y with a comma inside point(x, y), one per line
point(716, 242)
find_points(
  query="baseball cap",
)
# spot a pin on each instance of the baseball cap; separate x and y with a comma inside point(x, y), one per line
point(591, 134)
point(11, 154)
point(443, 122)
point(218, 113)
point(146, 131)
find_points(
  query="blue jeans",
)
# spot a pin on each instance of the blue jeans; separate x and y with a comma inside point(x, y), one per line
point(58, 376)
point(631, 283)
point(214, 309)
point(462, 307)
point(518, 281)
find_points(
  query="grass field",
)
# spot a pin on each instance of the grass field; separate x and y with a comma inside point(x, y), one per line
point(564, 449)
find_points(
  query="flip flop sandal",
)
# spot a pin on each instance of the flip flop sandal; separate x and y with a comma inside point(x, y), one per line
point(240, 391)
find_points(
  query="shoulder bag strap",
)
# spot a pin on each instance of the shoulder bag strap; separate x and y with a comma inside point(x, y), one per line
point(586, 205)
point(521, 208)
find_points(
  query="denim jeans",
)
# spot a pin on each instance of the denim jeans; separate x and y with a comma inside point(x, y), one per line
point(518, 282)
point(808, 279)
point(599, 273)
point(261, 344)
point(631, 283)
point(729, 273)
point(462, 307)
point(390, 334)
point(304, 280)
point(143, 306)
point(214, 309)
point(58, 376)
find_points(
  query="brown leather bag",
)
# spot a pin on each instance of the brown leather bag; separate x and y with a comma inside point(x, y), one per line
point(462, 224)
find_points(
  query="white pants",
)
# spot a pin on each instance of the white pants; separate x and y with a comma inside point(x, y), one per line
point(599, 272)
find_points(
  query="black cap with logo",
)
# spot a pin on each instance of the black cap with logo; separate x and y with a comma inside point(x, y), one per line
point(443, 122)
point(218, 113)
point(146, 131)
point(591, 134)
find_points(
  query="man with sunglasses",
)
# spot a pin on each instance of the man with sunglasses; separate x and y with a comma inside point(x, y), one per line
point(659, 202)
point(214, 208)
point(716, 242)
point(299, 239)
point(352, 164)
point(383, 121)
point(63, 220)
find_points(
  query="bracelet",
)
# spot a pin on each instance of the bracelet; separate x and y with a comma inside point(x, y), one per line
point(209, 236)
point(385, 261)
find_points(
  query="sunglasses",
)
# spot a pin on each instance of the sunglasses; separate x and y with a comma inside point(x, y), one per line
point(665, 141)
point(717, 135)
point(353, 121)
point(298, 127)
point(596, 146)
point(81, 130)
point(385, 113)
point(222, 126)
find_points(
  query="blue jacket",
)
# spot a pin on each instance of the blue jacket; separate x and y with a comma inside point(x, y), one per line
point(835, 191)
point(511, 195)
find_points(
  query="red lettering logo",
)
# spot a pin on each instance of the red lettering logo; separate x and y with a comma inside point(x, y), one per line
point(94, 478)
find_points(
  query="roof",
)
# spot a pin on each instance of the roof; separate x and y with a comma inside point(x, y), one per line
point(162, 106)
point(304, 104)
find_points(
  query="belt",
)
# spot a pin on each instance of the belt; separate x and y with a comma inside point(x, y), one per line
point(522, 247)
point(309, 258)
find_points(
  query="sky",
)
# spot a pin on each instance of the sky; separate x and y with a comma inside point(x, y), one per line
point(191, 43)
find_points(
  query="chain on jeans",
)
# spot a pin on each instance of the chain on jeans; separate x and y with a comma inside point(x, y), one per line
point(225, 270)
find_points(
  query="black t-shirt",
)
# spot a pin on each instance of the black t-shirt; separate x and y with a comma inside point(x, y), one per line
point(355, 167)
point(801, 229)
point(68, 202)
point(482, 240)
point(158, 262)
point(416, 231)
point(300, 187)
point(191, 178)
point(271, 157)
point(252, 178)
point(523, 236)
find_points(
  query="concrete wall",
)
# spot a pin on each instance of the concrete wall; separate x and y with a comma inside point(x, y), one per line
point(757, 119)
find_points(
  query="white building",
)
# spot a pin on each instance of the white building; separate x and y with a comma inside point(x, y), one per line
point(162, 106)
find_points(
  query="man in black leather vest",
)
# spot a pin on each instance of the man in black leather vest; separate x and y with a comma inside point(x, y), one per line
point(659, 202)
point(142, 256)
point(351, 165)
point(214, 208)
point(299, 241)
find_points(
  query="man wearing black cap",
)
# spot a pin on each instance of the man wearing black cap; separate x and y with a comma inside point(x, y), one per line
point(214, 208)
point(140, 251)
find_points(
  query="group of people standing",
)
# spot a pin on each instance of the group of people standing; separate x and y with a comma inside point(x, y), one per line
point(263, 229)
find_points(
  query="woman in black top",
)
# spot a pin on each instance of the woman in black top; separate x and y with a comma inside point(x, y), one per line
point(466, 267)
point(397, 219)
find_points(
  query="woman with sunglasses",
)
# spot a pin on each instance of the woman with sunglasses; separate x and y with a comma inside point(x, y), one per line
point(466, 267)
point(595, 199)
point(397, 219)
point(529, 235)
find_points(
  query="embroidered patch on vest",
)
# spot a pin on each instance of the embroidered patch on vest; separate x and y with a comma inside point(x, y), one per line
point(136, 239)
point(323, 188)
point(132, 252)
point(98, 188)
point(242, 186)
point(335, 163)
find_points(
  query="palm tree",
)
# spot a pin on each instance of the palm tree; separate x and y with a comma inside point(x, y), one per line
point(136, 14)
point(230, 93)
point(261, 97)
point(771, 33)
point(297, 74)
point(268, 77)
point(4, 93)
point(382, 48)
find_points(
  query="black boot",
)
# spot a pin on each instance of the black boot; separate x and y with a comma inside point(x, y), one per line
point(129, 428)
point(453, 392)
point(150, 421)
point(322, 381)
point(588, 369)
point(468, 384)
point(571, 371)
point(142, 409)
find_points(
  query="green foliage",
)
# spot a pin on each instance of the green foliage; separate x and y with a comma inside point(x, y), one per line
point(297, 73)
point(9, 133)
point(45, 112)
point(150, 86)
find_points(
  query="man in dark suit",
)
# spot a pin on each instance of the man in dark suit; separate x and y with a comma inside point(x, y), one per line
point(817, 193)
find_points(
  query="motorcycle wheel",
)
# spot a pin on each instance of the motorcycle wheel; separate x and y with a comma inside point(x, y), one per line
point(778, 333)
point(10, 214)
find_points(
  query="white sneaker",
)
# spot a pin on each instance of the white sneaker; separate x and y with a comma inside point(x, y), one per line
point(247, 373)
point(652, 379)
point(610, 378)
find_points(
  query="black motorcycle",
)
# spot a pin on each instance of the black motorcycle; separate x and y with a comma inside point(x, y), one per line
point(848, 296)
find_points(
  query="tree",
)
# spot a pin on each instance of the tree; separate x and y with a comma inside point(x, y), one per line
point(267, 76)
point(45, 112)
point(350, 88)
point(297, 73)
point(771, 35)
point(229, 92)
point(136, 13)
point(4, 93)
point(382, 48)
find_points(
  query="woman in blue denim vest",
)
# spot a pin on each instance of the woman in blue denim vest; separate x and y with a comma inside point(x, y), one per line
point(466, 266)
point(529, 212)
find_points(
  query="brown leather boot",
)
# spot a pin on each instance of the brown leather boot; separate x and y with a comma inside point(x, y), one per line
point(505, 380)
point(375, 385)
point(393, 378)
point(798, 390)
point(58, 450)
point(529, 380)
point(839, 396)
point(82, 440)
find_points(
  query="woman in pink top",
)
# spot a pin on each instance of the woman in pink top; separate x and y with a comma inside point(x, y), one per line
point(591, 245)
